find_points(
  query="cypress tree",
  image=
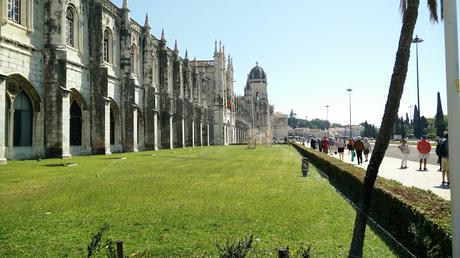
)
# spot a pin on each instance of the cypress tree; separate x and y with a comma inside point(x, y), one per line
point(439, 119)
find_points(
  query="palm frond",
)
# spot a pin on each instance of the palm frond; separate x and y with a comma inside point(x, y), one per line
point(433, 7)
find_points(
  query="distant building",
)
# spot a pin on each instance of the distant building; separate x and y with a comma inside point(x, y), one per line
point(256, 119)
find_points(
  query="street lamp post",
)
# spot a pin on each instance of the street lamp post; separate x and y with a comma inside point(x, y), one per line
point(417, 40)
point(349, 95)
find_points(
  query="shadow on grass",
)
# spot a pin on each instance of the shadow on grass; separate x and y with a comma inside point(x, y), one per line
point(61, 165)
point(396, 247)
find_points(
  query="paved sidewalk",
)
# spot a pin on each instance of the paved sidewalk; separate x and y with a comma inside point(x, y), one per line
point(390, 168)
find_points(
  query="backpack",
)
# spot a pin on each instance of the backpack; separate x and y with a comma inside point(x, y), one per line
point(444, 149)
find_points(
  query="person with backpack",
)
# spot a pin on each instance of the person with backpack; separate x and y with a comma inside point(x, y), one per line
point(445, 161)
point(424, 148)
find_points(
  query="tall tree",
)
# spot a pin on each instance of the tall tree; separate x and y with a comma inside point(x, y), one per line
point(409, 9)
point(440, 123)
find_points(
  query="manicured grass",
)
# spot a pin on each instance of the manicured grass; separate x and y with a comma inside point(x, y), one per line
point(174, 203)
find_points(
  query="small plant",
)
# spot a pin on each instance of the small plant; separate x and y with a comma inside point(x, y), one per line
point(238, 249)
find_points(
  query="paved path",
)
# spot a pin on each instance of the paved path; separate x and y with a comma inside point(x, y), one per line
point(390, 168)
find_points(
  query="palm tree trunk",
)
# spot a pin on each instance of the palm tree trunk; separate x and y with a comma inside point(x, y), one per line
point(398, 79)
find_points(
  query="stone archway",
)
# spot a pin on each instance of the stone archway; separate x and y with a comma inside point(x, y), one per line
point(79, 124)
point(23, 132)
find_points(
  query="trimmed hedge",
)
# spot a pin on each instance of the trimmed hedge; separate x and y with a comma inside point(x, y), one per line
point(417, 218)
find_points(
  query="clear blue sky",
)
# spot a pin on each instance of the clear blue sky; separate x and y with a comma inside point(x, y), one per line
point(312, 51)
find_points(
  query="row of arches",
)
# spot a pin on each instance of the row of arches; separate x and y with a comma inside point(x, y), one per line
point(24, 123)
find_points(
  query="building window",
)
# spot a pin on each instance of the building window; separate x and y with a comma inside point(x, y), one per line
point(107, 46)
point(75, 124)
point(14, 10)
point(22, 121)
point(6, 120)
point(70, 27)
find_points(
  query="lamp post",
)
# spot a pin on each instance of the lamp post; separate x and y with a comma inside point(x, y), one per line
point(349, 95)
point(417, 40)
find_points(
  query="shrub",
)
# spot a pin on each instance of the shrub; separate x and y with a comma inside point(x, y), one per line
point(417, 218)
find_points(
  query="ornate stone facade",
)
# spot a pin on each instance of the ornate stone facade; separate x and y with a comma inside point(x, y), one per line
point(80, 77)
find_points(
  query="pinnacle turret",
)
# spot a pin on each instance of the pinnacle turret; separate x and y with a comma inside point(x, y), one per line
point(175, 46)
point(163, 35)
point(125, 4)
point(146, 23)
point(186, 54)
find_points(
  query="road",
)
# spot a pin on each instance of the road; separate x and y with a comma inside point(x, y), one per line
point(394, 152)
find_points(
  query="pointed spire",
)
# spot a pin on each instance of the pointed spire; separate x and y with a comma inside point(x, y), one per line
point(215, 47)
point(146, 23)
point(125, 4)
point(163, 35)
point(175, 46)
point(223, 50)
point(220, 46)
point(229, 65)
point(186, 54)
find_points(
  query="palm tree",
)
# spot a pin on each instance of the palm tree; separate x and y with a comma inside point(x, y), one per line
point(409, 9)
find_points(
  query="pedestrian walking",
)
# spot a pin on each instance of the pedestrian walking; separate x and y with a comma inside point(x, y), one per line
point(313, 143)
point(445, 160)
point(404, 148)
point(320, 144)
point(438, 152)
point(358, 145)
point(350, 145)
point(331, 146)
point(340, 148)
point(367, 148)
point(325, 143)
point(424, 148)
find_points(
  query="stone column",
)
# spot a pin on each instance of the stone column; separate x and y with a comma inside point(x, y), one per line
point(37, 138)
point(155, 131)
point(201, 133)
point(171, 131)
point(183, 132)
point(107, 132)
point(10, 154)
point(2, 121)
point(135, 131)
point(193, 133)
point(207, 135)
point(65, 125)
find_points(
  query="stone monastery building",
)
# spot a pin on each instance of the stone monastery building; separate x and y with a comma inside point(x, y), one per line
point(81, 77)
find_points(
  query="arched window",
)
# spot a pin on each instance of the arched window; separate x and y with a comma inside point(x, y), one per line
point(14, 10)
point(70, 27)
point(107, 46)
point(22, 120)
point(75, 124)
point(112, 127)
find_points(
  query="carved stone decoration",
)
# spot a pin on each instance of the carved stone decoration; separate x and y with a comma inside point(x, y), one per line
point(14, 89)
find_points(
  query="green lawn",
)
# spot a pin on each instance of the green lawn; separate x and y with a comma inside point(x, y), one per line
point(174, 203)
